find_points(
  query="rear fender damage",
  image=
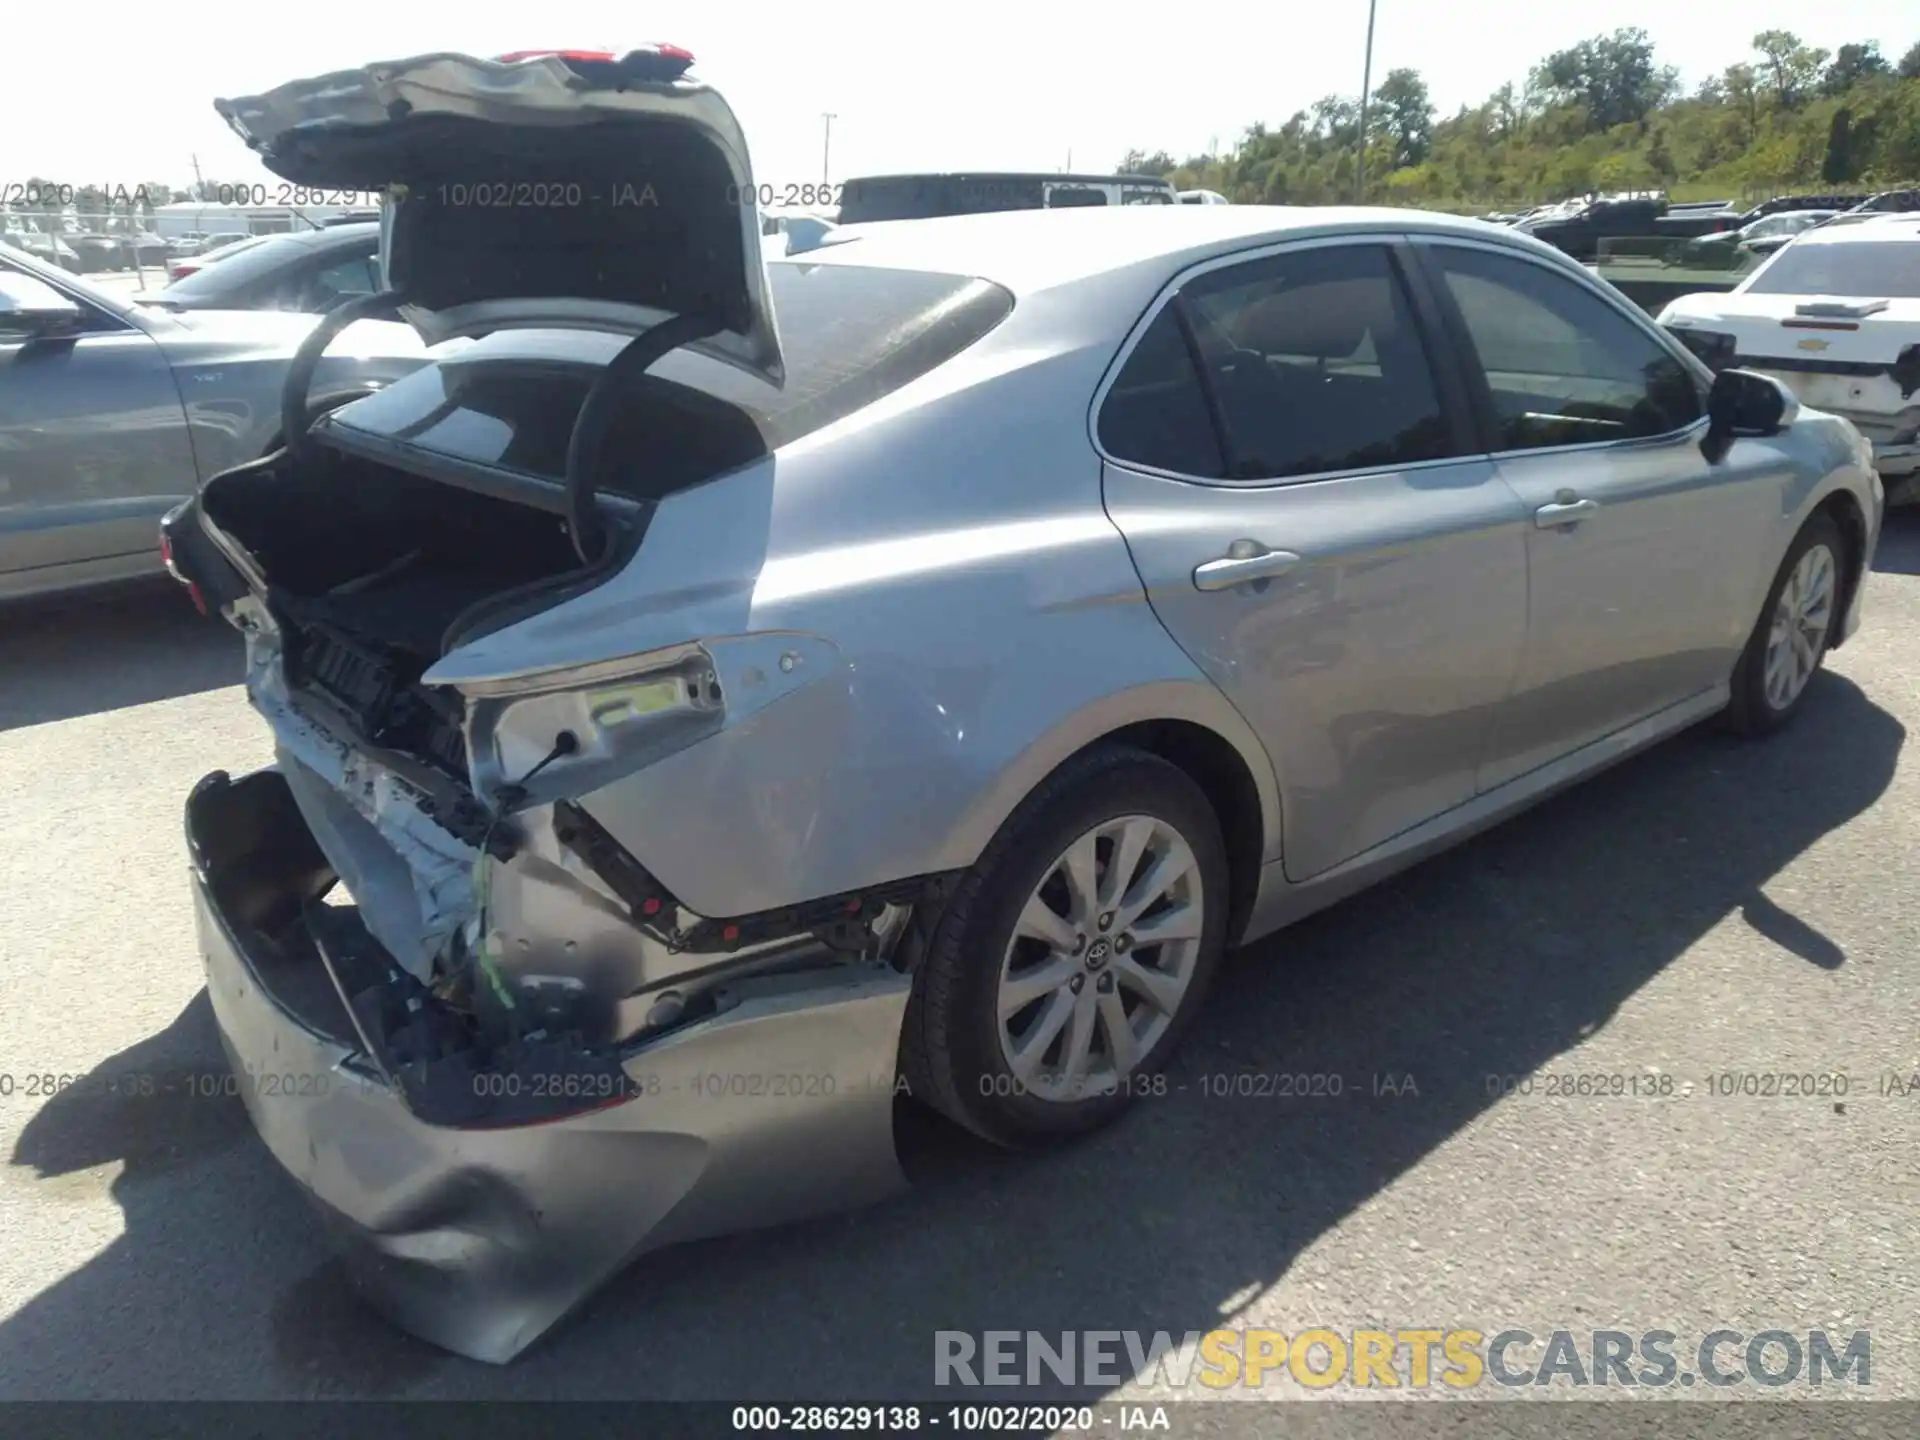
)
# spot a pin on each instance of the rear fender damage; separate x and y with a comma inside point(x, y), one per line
point(528, 1061)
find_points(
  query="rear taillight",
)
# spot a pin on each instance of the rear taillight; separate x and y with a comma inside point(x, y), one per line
point(193, 590)
point(650, 63)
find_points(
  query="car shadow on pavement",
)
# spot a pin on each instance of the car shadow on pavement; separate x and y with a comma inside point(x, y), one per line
point(1489, 961)
point(129, 646)
point(1899, 549)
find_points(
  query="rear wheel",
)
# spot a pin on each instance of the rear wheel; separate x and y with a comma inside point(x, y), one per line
point(1792, 635)
point(1059, 978)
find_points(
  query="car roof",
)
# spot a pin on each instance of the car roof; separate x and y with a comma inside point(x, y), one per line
point(1893, 227)
point(1031, 250)
point(331, 234)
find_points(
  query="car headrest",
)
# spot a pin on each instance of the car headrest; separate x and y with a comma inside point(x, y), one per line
point(1328, 321)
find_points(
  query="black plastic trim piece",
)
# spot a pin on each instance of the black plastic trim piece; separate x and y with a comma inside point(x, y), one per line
point(841, 922)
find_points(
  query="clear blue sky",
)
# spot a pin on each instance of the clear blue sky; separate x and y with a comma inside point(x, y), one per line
point(988, 84)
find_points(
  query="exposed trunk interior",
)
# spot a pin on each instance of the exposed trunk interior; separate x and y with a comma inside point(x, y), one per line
point(373, 573)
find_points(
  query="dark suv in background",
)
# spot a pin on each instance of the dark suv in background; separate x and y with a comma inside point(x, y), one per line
point(923, 197)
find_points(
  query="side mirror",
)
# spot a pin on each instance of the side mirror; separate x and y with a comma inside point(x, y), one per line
point(1742, 402)
point(31, 309)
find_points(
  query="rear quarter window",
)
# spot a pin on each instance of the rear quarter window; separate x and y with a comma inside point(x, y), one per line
point(850, 336)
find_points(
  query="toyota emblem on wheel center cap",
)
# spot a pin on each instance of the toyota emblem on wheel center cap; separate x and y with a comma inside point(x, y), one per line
point(1097, 953)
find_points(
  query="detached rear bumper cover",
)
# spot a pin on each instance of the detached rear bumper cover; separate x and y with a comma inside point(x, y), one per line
point(479, 1240)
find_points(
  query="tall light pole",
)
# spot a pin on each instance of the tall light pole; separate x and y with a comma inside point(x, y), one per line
point(1366, 85)
point(826, 147)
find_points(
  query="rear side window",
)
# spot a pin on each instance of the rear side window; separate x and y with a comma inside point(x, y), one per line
point(1312, 359)
point(1156, 413)
point(265, 263)
point(850, 335)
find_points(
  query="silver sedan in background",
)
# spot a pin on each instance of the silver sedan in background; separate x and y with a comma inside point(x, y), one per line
point(309, 271)
point(112, 412)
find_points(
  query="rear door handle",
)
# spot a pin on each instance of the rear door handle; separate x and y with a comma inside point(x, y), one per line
point(1245, 560)
point(1565, 511)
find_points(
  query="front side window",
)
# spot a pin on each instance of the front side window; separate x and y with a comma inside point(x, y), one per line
point(94, 316)
point(1563, 367)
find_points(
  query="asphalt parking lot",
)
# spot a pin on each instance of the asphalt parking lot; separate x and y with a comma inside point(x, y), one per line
point(1709, 908)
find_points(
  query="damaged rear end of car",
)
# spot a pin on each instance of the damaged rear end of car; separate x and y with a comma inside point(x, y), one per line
point(500, 1054)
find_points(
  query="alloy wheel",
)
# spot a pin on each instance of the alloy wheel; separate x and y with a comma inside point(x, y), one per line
point(1101, 957)
point(1802, 617)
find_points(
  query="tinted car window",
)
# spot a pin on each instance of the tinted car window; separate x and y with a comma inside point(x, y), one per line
point(1870, 269)
point(1562, 365)
point(850, 336)
point(1156, 412)
point(265, 263)
point(342, 280)
point(1316, 365)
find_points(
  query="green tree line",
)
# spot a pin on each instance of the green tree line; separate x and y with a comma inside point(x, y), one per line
point(1602, 115)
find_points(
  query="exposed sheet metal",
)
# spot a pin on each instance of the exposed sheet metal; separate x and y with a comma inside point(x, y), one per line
point(412, 879)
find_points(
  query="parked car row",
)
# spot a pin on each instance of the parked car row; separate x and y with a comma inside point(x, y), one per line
point(112, 412)
point(1579, 227)
point(920, 691)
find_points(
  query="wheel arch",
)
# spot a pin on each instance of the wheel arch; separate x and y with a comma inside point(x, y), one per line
point(1845, 510)
point(1190, 725)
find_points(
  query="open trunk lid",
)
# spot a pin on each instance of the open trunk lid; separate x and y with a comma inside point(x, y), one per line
point(541, 190)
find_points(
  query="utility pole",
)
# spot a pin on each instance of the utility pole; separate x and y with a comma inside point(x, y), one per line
point(826, 147)
point(1366, 85)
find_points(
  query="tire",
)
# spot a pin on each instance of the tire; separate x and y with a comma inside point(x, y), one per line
point(1756, 708)
point(955, 1046)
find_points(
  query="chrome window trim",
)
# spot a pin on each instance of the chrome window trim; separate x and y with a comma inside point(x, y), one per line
point(1385, 239)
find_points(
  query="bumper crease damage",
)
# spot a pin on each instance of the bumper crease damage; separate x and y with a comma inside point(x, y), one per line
point(480, 1236)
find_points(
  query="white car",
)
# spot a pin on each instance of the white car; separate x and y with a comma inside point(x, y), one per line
point(793, 232)
point(1203, 197)
point(1835, 316)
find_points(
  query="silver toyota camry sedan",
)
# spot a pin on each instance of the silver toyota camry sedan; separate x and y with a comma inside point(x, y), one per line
point(728, 695)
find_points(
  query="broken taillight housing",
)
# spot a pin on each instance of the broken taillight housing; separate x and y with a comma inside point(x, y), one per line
point(193, 590)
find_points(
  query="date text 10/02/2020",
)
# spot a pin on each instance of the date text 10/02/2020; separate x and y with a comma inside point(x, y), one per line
point(146, 1084)
point(562, 194)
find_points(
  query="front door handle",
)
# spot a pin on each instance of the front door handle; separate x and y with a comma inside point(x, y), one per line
point(1244, 561)
point(1567, 510)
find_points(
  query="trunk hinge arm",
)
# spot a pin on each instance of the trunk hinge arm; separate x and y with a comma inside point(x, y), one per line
point(584, 520)
point(294, 418)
